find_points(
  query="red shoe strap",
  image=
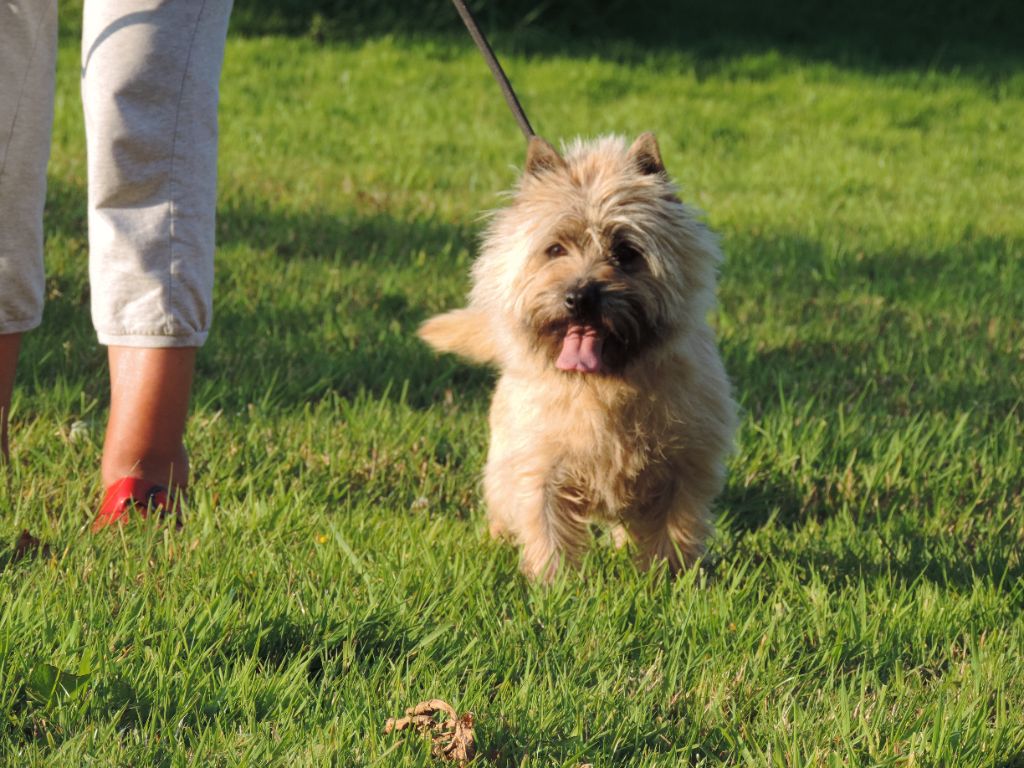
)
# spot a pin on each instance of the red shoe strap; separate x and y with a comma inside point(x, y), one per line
point(126, 494)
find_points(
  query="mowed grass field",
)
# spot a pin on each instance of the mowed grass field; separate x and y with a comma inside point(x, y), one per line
point(863, 601)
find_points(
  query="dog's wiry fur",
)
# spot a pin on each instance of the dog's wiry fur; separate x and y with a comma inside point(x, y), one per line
point(590, 296)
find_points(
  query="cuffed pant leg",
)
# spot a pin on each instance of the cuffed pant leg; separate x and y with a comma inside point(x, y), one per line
point(28, 54)
point(150, 77)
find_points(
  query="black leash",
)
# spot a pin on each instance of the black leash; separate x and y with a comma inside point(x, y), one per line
point(496, 70)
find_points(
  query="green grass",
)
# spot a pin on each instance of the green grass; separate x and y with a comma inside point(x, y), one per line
point(865, 601)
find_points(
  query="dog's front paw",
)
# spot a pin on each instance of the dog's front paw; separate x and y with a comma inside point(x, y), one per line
point(499, 530)
point(540, 564)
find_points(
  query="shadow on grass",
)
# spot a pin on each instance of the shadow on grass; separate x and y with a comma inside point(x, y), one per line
point(873, 35)
point(896, 551)
point(360, 340)
point(981, 39)
point(875, 342)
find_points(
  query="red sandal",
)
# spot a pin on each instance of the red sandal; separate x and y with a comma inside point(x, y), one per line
point(127, 494)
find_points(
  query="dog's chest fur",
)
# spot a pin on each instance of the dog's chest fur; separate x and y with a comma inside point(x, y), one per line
point(603, 445)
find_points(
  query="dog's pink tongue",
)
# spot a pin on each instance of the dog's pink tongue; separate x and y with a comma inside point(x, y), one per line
point(581, 350)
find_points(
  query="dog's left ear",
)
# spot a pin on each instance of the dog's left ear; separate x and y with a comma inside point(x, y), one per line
point(646, 155)
point(542, 158)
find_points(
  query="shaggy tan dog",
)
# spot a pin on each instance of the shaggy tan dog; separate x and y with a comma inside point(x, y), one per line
point(591, 296)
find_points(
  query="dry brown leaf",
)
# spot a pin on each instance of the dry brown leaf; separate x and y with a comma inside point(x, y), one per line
point(451, 738)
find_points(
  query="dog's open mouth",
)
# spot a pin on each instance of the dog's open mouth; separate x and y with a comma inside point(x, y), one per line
point(581, 350)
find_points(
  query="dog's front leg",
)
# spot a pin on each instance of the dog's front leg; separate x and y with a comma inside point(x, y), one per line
point(673, 528)
point(548, 522)
point(558, 534)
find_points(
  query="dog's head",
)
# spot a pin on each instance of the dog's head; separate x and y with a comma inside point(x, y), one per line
point(596, 261)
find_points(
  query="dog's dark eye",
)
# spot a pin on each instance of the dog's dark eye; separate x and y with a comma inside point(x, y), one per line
point(555, 250)
point(626, 256)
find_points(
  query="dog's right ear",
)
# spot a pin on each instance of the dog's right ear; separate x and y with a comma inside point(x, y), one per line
point(646, 155)
point(542, 158)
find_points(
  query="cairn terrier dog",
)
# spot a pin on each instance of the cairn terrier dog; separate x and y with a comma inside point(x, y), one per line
point(591, 296)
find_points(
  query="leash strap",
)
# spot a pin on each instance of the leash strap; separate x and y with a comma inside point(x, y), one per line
point(496, 70)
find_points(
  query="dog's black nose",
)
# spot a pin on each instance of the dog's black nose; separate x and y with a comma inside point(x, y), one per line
point(582, 299)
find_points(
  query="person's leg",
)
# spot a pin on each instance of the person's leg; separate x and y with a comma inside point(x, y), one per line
point(28, 51)
point(149, 397)
point(9, 345)
point(150, 75)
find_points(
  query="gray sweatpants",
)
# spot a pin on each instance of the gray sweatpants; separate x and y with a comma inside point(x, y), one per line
point(150, 74)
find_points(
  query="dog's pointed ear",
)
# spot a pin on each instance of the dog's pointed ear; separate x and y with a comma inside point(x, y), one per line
point(646, 155)
point(541, 157)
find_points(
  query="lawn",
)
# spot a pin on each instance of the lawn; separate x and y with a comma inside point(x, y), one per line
point(863, 601)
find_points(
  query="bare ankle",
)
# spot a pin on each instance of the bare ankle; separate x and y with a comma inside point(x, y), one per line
point(168, 471)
